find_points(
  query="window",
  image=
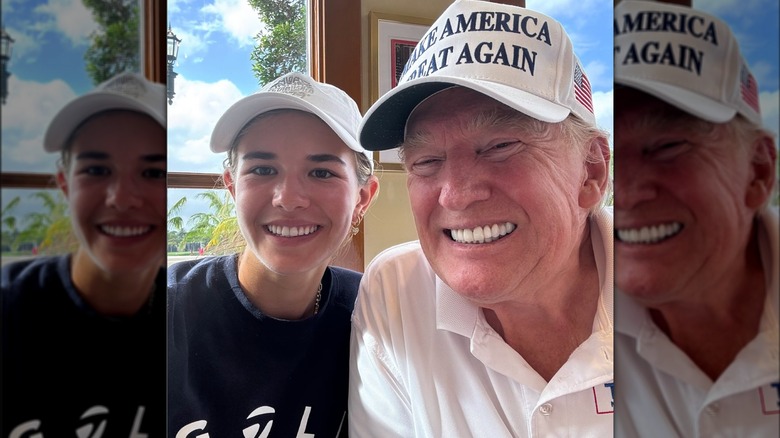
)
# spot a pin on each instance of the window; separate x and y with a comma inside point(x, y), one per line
point(61, 34)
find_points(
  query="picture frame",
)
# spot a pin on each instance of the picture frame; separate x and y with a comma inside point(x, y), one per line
point(393, 38)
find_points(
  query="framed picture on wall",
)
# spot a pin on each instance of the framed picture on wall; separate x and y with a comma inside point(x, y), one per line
point(393, 38)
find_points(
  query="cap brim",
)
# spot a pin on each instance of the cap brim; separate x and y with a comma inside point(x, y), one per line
point(686, 100)
point(246, 109)
point(384, 123)
point(79, 110)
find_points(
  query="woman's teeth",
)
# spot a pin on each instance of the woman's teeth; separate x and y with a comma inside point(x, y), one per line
point(286, 231)
point(124, 231)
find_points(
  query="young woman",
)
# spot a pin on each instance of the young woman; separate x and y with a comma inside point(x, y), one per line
point(258, 342)
point(84, 333)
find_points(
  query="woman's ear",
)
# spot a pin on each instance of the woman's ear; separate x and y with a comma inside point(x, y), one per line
point(62, 182)
point(230, 185)
point(366, 195)
point(596, 180)
point(763, 161)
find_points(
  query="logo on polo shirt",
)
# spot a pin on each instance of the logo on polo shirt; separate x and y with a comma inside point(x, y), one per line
point(770, 398)
point(294, 86)
point(604, 398)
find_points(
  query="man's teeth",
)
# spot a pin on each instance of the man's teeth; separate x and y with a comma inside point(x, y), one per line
point(291, 231)
point(485, 234)
point(124, 231)
point(651, 234)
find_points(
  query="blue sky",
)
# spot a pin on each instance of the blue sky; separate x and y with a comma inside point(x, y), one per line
point(215, 69)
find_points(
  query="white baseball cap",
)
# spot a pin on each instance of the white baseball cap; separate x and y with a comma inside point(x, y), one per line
point(293, 91)
point(514, 55)
point(125, 91)
point(685, 57)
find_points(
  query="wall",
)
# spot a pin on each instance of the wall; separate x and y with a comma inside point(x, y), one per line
point(389, 221)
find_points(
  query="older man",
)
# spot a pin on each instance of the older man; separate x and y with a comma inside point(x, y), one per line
point(696, 245)
point(498, 321)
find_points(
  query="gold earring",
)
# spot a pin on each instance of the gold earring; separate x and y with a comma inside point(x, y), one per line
point(355, 226)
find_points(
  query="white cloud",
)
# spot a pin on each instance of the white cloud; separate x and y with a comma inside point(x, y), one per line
point(25, 46)
point(196, 108)
point(599, 75)
point(9, 6)
point(29, 109)
point(173, 5)
point(31, 105)
point(192, 43)
point(236, 18)
point(71, 18)
point(28, 153)
point(770, 110)
point(603, 108)
point(765, 74)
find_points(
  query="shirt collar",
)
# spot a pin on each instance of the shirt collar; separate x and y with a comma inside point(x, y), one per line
point(454, 312)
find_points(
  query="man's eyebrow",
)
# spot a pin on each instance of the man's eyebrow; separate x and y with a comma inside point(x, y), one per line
point(325, 158)
point(416, 140)
point(487, 118)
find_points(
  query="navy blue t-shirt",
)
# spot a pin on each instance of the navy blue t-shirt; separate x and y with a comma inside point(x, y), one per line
point(67, 369)
point(234, 371)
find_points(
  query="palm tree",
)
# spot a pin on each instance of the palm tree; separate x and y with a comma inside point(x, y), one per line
point(218, 227)
point(10, 232)
point(52, 228)
point(176, 231)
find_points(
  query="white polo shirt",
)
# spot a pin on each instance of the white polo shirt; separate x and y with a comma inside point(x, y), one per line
point(661, 392)
point(425, 362)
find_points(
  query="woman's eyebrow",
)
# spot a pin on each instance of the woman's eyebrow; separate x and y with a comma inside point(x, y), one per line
point(325, 158)
point(92, 155)
point(259, 155)
point(154, 158)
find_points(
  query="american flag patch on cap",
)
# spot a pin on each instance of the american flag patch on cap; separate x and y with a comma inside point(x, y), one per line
point(749, 88)
point(582, 88)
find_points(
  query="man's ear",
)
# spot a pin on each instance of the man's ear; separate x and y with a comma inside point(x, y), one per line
point(596, 178)
point(762, 171)
point(227, 177)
